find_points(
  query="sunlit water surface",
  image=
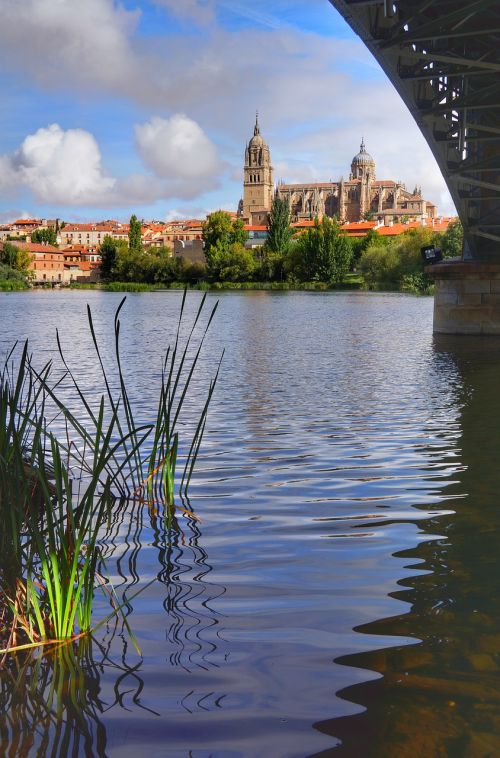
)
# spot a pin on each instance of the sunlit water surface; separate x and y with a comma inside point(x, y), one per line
point(338, 594)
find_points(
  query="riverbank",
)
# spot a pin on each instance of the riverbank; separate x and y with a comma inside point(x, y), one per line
point(352, 282)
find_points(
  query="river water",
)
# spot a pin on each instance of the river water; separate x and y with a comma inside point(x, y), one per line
point(338, 592)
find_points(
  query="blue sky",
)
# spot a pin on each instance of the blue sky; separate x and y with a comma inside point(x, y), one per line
point(145, 106)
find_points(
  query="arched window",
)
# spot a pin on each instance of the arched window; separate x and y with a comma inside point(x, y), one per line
point(388, 201)
point(331, 206)
point(296, 204)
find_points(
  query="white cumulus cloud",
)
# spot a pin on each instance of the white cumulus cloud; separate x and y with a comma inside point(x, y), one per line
point(178, 151)
point(62, 166)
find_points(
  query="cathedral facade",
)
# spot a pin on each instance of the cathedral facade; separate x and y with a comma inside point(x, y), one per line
point(360, 197)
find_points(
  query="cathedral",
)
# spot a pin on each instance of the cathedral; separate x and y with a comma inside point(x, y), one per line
point(358, 198)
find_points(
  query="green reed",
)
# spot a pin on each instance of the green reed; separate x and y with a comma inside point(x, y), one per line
point(57, 495)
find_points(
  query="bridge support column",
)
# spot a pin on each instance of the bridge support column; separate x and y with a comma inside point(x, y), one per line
point(467, 297)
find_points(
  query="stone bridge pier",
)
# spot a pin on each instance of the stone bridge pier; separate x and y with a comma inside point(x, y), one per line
point(467, 297)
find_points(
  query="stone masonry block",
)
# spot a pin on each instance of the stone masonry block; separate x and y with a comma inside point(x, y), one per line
point(471, 298)
point(493, 299)
point(487, 327)
point(448, 298)
point(451, 327)
point(476, 285)
point(468, 314)
point(448, 285)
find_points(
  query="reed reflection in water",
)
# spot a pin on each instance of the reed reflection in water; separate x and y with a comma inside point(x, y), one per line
point(53, 703)
point(441, 697)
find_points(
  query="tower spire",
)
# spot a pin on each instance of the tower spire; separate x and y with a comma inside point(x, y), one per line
point(256, 127)
point(362, 148)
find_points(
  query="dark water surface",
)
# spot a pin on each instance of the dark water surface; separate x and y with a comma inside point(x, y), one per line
point(339, 594)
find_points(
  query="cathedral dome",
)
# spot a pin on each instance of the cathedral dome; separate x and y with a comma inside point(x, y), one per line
point(363, 158)
point(363, 165)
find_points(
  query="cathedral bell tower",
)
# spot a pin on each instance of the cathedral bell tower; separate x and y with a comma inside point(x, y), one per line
point(257, 179)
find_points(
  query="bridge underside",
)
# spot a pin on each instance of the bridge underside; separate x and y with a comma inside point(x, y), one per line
point(443, 58)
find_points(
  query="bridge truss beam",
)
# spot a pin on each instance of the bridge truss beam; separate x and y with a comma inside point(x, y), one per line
point(443, 58)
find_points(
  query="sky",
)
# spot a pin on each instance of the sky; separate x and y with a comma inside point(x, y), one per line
point(144, 106)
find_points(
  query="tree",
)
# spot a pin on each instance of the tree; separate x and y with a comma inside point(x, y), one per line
point(239, 234)
point(322, 253)
point(399, 261)
point(452, 240)
point(408, 250)
point(220, 231)
point(45, 236)
point(270, 267)
point(15, 257)
point(280, 234)
point(232, 264)
point(360, 244)
point(216, 231)
point(135, 235)
point(109, 256)
point(379, 264)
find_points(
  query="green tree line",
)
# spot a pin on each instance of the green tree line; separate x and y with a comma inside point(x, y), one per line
point(322, 253)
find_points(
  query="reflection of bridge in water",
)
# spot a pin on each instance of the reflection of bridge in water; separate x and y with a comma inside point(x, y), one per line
point(441, 697)
point(442, 57)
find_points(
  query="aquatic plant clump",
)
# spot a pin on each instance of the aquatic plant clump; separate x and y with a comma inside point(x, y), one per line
point(57, 495)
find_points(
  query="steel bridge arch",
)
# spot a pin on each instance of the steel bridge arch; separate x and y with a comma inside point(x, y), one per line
point(443, 57)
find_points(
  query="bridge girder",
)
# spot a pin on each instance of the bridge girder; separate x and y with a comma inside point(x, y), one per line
point(443, 58)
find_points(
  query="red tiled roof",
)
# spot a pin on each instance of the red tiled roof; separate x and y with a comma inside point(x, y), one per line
point(394, 230)
point(310, 184)
point(35, 247)
point(99, 227)
point(358, 226)
point(88, 265)
point(302, 224)
point(254, 228)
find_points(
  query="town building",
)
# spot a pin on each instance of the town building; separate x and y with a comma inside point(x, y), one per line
point(191, 250)
point(362, 196)
point(52, 265)
point(47, 262)
point(21, 229)
point(391, 229)
point(180, 231)
point(92, 234)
